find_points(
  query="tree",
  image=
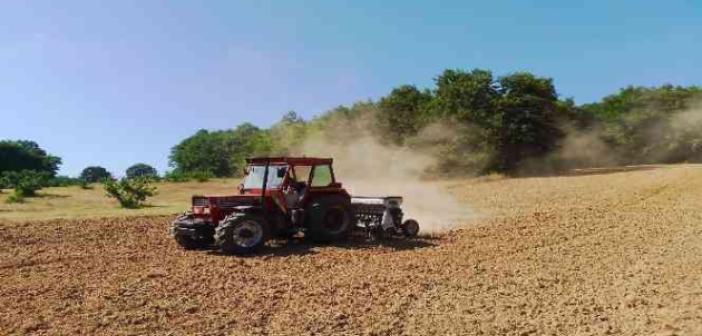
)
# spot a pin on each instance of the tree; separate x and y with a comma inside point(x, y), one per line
point(292, 118)
point(94, 174)
point(287, 134)
point(26, 155)
point(247, 140)
point(141, 170)
point(516, 116)
point(402, 113)
point(527, 124)
point(204, 151)
point(220, 153)
point(468, 97)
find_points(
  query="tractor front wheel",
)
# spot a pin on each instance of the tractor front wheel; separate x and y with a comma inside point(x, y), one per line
point(191, 238)
point(188, 243)
point(241, 233)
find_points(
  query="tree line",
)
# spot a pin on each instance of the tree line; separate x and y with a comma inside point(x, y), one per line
point(473, 122)
point(25, 167)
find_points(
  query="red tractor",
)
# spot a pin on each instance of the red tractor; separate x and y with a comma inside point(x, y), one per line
point(280, 197)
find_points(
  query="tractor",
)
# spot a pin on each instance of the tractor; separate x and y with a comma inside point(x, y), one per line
point(283, 197)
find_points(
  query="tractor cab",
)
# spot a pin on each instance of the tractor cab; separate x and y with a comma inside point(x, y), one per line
point(289, 182)
point(278, 172)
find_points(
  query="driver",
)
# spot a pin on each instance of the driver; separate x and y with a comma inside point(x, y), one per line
point(293, 192)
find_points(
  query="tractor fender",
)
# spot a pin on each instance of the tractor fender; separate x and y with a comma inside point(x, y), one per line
point(276, 221)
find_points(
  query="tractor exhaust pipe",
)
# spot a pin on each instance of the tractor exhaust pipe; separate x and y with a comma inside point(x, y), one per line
point(265, 184)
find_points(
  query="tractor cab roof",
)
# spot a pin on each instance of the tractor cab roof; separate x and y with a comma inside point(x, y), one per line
point(294, 161)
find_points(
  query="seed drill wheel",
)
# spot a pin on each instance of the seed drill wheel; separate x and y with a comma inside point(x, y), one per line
point(410, 228)
point(241, 233)
point(329, 219)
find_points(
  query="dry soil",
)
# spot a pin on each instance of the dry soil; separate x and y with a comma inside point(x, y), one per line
point(606, 253)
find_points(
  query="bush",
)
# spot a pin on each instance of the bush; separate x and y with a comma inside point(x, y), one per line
point(84, 184)
point(201, 176)
point(15, 197)
point(62, 181)
point(130, 193)
point(25, 182)
point(178, 176)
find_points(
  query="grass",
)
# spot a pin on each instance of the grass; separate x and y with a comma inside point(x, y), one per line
point(76, 202)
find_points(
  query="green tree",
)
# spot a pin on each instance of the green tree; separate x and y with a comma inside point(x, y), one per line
point(141, 170)
point(26, 155)
point(220, 153)
point(246, 140)
point(204, 151)
point(287, 134)
point(94, 174)
point(527, 120)
point(403, 113)
point(514, 117)
point(468, 97)
point(292, 118)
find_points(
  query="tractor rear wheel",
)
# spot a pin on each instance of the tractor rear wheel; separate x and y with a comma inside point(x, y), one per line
point(241, 233)
point(329, 219)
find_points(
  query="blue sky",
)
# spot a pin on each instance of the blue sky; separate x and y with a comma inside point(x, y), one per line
point(113, 83)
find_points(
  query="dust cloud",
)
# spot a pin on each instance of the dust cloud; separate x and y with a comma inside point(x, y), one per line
point(584, 149)
point(683, 132)
point(368, 168)
point(689, 118)
point(663, 139)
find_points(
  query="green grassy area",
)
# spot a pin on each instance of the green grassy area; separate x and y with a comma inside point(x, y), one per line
point(74, 202)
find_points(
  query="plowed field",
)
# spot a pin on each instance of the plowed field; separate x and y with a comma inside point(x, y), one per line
point(617, 253)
